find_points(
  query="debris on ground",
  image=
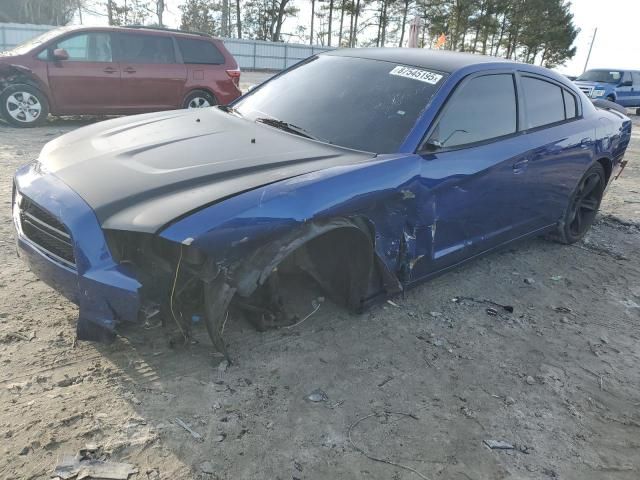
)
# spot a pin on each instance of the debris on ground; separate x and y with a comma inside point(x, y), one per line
point(207, 467)
point(530, 380)
point(498, 445)
point(193, 433)
point(81, 466)
point(317, 396)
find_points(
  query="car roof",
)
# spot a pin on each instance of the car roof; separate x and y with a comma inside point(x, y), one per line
point(441, 60)
point(130, 28)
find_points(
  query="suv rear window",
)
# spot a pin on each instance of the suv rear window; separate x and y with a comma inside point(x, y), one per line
point(136, 48)
point(199, 51)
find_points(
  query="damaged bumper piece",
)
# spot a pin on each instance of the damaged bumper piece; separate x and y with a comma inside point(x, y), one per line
point(45, 212)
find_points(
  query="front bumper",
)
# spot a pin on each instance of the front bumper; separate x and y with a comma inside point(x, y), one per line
point(105, 292)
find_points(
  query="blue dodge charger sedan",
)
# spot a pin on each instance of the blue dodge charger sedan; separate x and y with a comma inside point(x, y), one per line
point(365, 170)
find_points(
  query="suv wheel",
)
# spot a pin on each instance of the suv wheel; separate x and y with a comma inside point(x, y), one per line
point(199, 99)
point(24, 106)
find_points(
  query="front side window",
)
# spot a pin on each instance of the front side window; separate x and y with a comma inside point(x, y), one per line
point(358, 103)
point(87, 47)
point(544, 103)
point(136, 48)
point(482, 109)
point(199, 52)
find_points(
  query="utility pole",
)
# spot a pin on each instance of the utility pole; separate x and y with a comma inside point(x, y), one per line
point(593, 40)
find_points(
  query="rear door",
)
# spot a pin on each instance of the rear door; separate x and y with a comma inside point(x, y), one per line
point(152, 78)
point(561, 146)
point(89, 81)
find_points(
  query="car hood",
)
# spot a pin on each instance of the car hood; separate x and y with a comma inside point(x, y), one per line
point(140, 173)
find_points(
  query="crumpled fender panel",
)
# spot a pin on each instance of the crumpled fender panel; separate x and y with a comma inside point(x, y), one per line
point(246, 235)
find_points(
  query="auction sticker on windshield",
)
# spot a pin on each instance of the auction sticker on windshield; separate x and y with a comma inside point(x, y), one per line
point(416, 74)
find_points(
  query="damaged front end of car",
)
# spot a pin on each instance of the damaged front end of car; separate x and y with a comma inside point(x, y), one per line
point(182, 273)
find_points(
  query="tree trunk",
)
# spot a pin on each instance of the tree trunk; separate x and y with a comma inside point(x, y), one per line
point(355, 25)
point(224, 24)
point(313, 17)
point(330, 22)
point(281, 8)
point(160, 10)
point(341, 23)
point(110, 11)
point(404, 22)
point(238, 19)
point(353, 8)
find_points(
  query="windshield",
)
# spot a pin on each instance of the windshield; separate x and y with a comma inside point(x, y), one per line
point(35, 42)
point(357, 103)
point(603, 76)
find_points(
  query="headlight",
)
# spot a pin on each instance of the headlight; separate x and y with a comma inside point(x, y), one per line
point(597, 93)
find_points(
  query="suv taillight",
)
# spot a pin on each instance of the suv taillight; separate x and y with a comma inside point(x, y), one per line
point(234, 75)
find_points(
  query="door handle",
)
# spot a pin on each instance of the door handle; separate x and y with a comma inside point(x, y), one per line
point(110, 70)
point(520, 165)
point(130, 70)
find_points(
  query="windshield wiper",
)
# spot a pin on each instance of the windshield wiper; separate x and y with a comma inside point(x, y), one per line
point(289, 127)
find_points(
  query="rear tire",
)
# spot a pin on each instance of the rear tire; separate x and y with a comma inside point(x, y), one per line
point(582, 207)
point(199, 99)
point(24, 106)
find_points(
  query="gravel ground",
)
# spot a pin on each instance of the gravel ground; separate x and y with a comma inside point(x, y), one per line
point(558, 378)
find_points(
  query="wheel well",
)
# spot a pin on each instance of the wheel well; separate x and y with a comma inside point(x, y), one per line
point(203, 89)
point(606, 164)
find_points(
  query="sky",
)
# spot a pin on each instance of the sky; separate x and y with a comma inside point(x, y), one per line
point(617, 43)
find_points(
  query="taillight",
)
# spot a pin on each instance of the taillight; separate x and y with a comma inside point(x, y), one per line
point(234, 75)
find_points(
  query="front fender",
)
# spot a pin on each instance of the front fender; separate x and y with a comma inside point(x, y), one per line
point(381, 194)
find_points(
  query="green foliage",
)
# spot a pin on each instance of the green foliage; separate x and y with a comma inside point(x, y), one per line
point(532, 31)
point(201, 16)
point(43, 12)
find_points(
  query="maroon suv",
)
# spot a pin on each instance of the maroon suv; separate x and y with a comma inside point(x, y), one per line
point(84, 70)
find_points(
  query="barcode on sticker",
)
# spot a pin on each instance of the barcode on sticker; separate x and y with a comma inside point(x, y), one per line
point(416, 74)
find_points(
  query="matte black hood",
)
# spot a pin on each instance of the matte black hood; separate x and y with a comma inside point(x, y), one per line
point(140, 173)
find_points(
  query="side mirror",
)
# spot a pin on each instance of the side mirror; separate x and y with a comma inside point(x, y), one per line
point(60, 54)
point(627, 83)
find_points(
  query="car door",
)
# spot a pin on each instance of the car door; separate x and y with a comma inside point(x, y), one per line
point(625, 90)
point(561, 147)
point(636, 89)
point(474, 161)
point(88, 82)
point(152, 78)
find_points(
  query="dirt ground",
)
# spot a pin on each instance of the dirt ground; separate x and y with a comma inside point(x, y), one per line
point(558, 378)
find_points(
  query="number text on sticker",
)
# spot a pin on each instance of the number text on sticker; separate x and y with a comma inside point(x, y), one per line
point(416, 74)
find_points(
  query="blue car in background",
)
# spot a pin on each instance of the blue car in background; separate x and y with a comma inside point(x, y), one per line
point(620, 86)
point(359, 172)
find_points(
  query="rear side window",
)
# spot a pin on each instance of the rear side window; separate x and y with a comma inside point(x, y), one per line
point(570, 107)
point(544, 102)
point(135, 48)
point(87, 47)
point(482, 109)
point(636, 78)
point(199, 51)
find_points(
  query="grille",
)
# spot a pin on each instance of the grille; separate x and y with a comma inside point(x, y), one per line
point(47, 232)
point(587, 90)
